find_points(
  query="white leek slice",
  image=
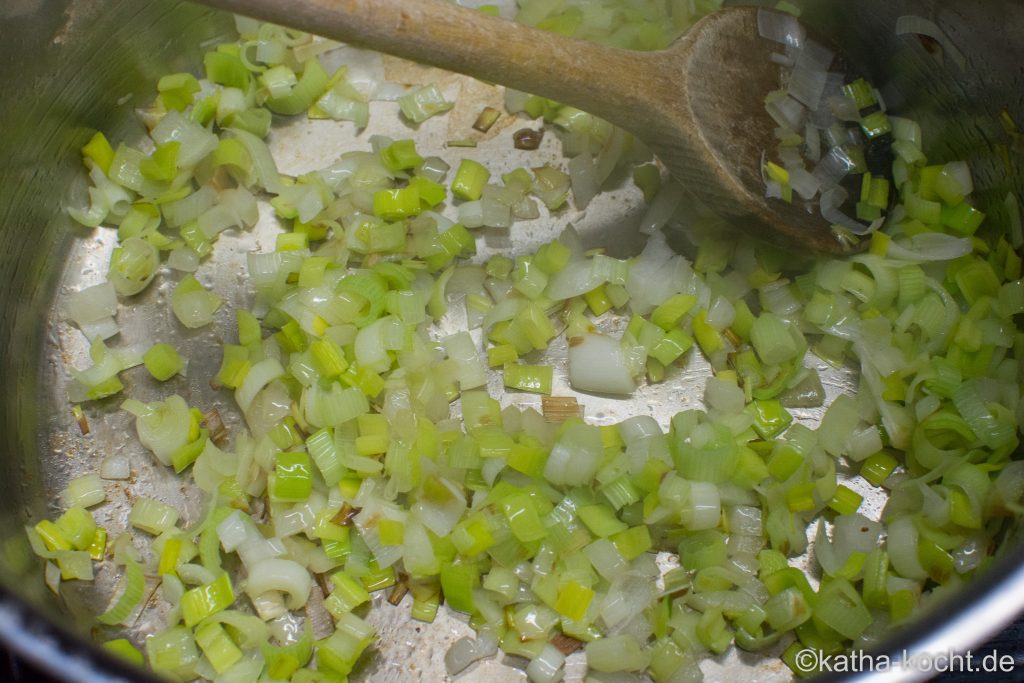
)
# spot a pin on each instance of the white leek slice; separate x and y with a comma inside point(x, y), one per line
point(285, 576)
point(163, 426)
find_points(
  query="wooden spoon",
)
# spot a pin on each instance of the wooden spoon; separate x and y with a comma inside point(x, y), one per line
point(699, 104)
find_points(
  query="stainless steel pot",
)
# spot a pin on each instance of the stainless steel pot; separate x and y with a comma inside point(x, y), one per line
point(69, 67)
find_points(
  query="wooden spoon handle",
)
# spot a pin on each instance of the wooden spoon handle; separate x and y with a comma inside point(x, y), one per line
point(612, 83)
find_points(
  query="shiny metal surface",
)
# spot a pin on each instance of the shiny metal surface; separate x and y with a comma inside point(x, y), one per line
point(74, 67)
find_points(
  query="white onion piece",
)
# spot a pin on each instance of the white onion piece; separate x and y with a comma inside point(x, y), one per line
point(850, 533)
point(335, 174)
point(286, 629)
point(926, 406)
point(637, 428)
point(440, 221)
point(417, 554)
point(184, 259)
point(639, 452)
point(379, 143)
point(269, 605)
point(440, 517)
point(300, 517)
point(576, 456)
point(115, 467)
point(470, 372)
point(196, 308)
point(515, 100)
point(628, 596)
point(162, 426)
point(656, 274)
point(570, 237)
point(635, 357)
point(705, 509)
point(526, 209)
point(503, 309)
point(257, 549)
point(374, 510)
point(466, 651)
point(269, 406)
point(830, 201)
point(611, 154)
point(372, 343)
point(909, 23)
point(135, 266)
point(746, 521)
point(467, 279)
point(171, 589)
point(471, 214)
point(195, 574)
point(785, 110)
point(959, 174)
point(52, 577)
point(434, 168)
point(606, 559)
point(832, 168)
point(833, 87)
point(661, 209)
point(242, 203)
point(578, 277)
point(547, 667)
point(855, 533)
point(494, 213)
point(234, 531)
point(816, 54)
point(779, 298)
point(780, 27)
point(807, 81)
point(930, 246)
point(864, 443)
point(109, 194)
point(212, 467)
point(104, 328)
point(92, 304)
point(264, 167)
point(805, 184)
point(281, 575)
point(724, 396)
point(196, 142)
point(902, 546)
point(583, 176)
point(597, 363)
point(791, 157)
point(259, 376)
point(364, 68)
point(968, 556)
point(1009, 483)
point(825, 552)
point(721, 313)
point(246, 26)
point(389, 92)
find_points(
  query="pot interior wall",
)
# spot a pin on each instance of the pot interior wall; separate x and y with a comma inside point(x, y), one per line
point(70, 68)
